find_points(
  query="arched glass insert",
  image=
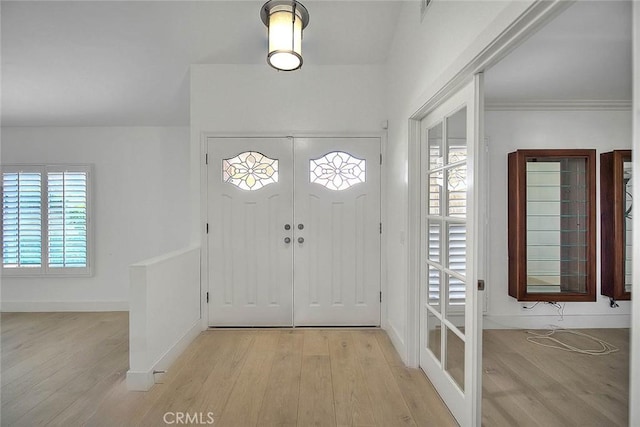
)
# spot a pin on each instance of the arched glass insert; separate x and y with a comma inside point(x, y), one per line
point(337, 170)
point(250, 170)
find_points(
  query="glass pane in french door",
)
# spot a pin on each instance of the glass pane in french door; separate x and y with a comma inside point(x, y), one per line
point(446, 228)
point(434, 335)
point(435, 147)
point(456, 229)
point(433, 290)
point(446, 247)
point(455, 357)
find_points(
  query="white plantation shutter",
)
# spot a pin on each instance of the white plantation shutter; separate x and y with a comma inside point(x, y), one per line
point(457, 262)
point(457, 241)
point(22, 219)
point(67, 219)
point(45, 220)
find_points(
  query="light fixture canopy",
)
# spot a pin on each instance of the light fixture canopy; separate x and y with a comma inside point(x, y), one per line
point(285, 21)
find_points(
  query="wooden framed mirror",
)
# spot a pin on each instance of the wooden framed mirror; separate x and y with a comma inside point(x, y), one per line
point(552, 225)
point(616, 205)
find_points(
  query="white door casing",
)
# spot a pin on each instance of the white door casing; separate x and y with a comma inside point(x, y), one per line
point(268, 241)
point(450, 307)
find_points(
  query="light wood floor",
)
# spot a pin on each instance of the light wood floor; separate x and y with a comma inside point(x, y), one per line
point(528, 385)
point(67, 369)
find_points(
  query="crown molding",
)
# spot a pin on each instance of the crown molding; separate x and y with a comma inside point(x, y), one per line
point(557, 105)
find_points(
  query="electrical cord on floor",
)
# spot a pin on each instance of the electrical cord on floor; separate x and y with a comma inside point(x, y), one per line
point(540, 338)
point(557, 305)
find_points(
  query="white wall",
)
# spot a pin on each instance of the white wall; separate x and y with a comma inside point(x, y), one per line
point(247, 100)
point(140, 203)
point(424, 56)
point(508, 131)
point(255, 100)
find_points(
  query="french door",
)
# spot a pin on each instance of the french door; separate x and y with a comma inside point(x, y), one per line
point(450, 311)
point(294, 231)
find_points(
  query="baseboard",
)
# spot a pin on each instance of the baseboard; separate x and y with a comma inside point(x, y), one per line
point(170, 356)
point(144, 380)
point(397, 341)
point(139, 381)
point(569, 321)
point(48, 306)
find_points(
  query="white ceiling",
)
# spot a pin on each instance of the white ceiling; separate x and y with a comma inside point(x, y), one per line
point(101, 63)
point(105, 63)
point(582, 55)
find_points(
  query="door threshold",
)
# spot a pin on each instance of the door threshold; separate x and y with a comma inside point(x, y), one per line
point(240, 328)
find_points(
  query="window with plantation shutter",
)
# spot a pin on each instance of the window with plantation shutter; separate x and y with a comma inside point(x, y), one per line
point(22, 219)
point(67, 219)
point(45, 220)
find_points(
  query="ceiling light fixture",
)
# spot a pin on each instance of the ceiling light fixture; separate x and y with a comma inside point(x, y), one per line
point(285, 20)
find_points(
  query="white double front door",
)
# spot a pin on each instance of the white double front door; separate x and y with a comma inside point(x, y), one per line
point(294, 231)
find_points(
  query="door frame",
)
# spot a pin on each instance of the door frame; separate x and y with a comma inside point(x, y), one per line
point(463, 70)
point(634, 357)
point(204, 200)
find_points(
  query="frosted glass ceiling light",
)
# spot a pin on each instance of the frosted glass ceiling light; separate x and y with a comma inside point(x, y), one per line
point(285, 20)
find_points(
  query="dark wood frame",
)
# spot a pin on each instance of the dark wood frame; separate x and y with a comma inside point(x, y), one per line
point(517, 210)
point(612, 206)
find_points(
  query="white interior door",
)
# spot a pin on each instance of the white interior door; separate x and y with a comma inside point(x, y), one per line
point(250, 188)
point(268, 242)
point(337, 219)
point(450, 310)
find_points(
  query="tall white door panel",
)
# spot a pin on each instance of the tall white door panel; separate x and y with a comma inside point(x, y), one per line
point(250, 188)
point(337, 219)
point(450, 311)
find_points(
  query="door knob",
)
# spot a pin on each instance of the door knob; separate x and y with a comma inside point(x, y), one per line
point(300, 239)
point(300, 226)
point(287, 240)
point(287, 226)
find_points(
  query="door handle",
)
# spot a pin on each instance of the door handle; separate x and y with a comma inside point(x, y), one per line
point(300, 239)
point(287, 226)
point(287, 240)
point(300, 226)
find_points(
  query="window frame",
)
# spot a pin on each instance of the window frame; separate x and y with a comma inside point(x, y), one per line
point(44, 270)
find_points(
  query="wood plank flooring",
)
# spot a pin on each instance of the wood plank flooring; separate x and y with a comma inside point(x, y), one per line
point(529, 385)
point(68, 369)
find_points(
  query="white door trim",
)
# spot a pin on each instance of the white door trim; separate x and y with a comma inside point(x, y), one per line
point(634, 359)
point(528, 23)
